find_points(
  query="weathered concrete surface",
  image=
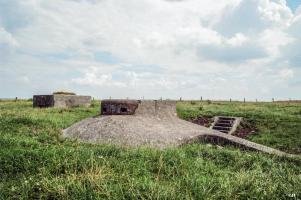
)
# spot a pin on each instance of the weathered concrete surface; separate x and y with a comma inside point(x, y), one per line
point(226, 124)
point(43, 101)
point(118, 107)
point(154, 124)
point(60, 101)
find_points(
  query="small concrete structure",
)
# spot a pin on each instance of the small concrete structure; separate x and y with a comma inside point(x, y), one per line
point(119, 107)
point(226, 124)
point(60, 101)
point(151, 124)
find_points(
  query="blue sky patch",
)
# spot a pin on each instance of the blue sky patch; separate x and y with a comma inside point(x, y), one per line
point(293, 4)
point(106, 57)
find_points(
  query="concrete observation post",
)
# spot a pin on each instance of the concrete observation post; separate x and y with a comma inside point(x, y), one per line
point(61, 100)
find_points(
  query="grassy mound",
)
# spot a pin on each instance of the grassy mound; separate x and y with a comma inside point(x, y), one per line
point(35, 163)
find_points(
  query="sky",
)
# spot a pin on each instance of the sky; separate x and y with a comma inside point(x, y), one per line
point(293, 4)
point(151, 48)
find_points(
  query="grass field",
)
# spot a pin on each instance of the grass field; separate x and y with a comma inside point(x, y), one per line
point(277, 125)
point(35, 163)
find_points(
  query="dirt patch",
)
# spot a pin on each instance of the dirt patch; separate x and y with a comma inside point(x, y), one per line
point(202, 120)
point(245, 129)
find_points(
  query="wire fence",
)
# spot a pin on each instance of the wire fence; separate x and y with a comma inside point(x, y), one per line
point(231, 100)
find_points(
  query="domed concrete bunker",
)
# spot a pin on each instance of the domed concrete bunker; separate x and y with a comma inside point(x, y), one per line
point(135, 123)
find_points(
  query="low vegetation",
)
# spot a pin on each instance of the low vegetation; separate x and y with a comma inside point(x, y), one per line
point(276, 125)
point(36, 163)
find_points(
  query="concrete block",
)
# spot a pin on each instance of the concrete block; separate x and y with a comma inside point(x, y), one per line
point(61, 101)
point(43, 101)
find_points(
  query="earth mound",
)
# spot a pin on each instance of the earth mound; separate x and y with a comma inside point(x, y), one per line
point(154, 124)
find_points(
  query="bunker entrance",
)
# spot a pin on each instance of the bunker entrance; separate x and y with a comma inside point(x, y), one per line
point(123, 110)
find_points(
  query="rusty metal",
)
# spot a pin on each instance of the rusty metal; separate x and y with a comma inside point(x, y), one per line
point(119, 107)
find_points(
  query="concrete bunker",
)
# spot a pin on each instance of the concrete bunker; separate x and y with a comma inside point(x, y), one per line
point(119, 107)
point(60, 101)
point(150, 123)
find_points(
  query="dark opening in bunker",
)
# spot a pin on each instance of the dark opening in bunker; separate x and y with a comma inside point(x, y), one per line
point(119, 107)
point(123, 109)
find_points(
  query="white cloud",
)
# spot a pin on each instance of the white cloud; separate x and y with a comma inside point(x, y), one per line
point(237, 40)
point(172, 48)
point(23, 79)
point(7, 38)
point(286, 74)
point(93, 76)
